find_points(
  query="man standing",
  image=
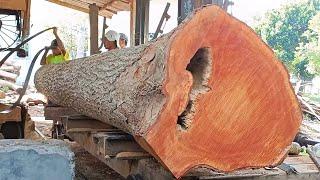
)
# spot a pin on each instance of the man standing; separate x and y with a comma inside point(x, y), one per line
point(59, 53)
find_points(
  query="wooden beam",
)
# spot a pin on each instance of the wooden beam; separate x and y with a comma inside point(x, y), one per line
point(56, 112)
point(83, 7)
point(133, 11)
point(13, 4)
point(146, 20)
point(121, 5)
point(93, 16)
point(26, 20)
point(77, 7)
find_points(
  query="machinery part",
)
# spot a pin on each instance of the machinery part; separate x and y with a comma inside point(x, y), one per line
point(104, 27)
point(12, 130)
point(165, 16)
point(21, 44)
point(26, 82)
point(10, 27)
point(58, 131)
point(192, 97)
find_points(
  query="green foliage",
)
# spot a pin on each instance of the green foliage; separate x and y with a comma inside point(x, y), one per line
point(310, 51)
point(284, 30)
point(4, 89)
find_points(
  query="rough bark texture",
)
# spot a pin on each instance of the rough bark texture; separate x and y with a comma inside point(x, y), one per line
point(210, 93)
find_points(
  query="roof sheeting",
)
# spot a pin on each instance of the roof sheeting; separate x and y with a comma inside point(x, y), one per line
point(106, 7)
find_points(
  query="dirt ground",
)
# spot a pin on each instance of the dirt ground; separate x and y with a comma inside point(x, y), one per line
point(87, 167)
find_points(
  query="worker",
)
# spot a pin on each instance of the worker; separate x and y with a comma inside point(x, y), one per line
point(59, 53)
point(123, 40)
point(111, 40)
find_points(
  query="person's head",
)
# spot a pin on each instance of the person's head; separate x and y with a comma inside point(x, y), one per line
point(55, 48)
point(123, 40)
point(110, 40)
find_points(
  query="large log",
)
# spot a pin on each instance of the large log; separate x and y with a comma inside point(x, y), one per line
point(210, 93)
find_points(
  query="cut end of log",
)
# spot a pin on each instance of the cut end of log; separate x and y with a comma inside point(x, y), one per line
point(200, 69)
point(229, 95)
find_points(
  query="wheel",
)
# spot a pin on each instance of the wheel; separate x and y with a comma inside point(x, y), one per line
point(12, 130)
point(135, 177)
point(10, 28)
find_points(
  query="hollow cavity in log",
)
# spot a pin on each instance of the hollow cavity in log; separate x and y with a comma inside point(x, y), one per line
point(200, 68)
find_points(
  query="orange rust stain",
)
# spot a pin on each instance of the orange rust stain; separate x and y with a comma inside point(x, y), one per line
point(249, 117)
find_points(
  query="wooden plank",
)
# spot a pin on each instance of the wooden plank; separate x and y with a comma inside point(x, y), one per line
point(132, 155)
point(56, 112)
point(78, 6)
point(8, 76)
point(314, 157)
point(13, 4)
point(81, 125)
point(292, 160)
point(14, 115)
point(306, 168)
point(121, 5)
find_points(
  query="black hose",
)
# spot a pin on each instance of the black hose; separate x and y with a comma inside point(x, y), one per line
point(21, 44)
point(26, 82)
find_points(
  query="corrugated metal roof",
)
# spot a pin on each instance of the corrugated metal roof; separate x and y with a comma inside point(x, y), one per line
point(106, 7)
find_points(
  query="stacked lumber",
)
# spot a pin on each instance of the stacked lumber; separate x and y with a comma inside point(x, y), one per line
point(209, 93)
point(309, 107)
point(9, 73)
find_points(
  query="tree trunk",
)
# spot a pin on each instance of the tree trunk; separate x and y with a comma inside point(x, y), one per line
point(209, 93)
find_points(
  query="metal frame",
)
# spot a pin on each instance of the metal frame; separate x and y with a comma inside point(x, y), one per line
point(120, 151)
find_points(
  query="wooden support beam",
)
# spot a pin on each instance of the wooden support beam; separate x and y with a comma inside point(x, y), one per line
point(93, 16)
point(133, 11)
point(76, 6)
point(56, 112)
point(26, 20)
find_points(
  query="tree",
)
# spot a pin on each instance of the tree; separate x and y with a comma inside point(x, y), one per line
point(283, 30)
point(308, 54)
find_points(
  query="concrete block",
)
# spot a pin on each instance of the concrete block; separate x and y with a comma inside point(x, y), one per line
point(31, 160)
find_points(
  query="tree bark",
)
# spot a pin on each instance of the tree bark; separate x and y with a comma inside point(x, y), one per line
point(209, 93)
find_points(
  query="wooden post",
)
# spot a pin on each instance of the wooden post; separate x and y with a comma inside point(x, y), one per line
point(146, 5)
point(133, 11)
point(93, 16)
point(26, 20)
